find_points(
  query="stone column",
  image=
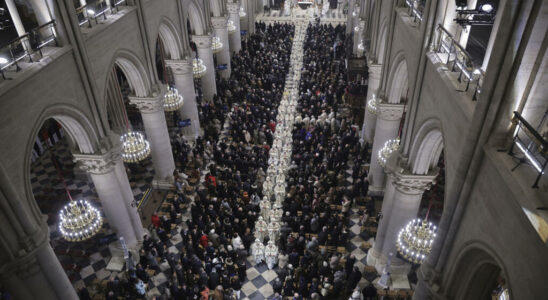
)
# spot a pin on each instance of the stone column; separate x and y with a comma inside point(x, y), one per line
point(388, 123)
point(235, 38)
point(370, 118)
point(12, 8)
point(358, 37)
point(110, 189)
point(349, 17)
point(374, 254)
point(223, 57)
point(203, 43)
point(37, 275)
point(41, 11)
point(129, 200)
point(407, 195)
point(184, 83)
point(154, 120)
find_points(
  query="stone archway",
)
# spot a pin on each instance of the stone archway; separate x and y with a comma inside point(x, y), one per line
point(398, 84)
point(476, 274)
point(170, 40)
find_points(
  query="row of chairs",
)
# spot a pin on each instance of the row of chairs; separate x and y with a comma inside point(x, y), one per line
point(395, 294)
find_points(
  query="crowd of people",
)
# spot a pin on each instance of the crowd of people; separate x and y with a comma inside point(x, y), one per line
point(317, 205)
point(219, 235)
point(223, 209)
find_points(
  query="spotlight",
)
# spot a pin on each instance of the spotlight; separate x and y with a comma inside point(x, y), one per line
point(3, 60)
point(91, 12)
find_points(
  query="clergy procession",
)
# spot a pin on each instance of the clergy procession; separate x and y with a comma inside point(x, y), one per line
point(278, 143)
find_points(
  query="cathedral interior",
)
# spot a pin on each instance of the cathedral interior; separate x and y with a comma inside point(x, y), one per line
point(274, 149)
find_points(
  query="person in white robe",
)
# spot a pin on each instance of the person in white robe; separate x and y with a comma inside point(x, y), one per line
point(261, 229)
point(257, 250)
point(271, 255)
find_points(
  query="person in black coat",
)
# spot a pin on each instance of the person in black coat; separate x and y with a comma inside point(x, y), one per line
point(349, 264)
point(353, 279)
point(214, 279)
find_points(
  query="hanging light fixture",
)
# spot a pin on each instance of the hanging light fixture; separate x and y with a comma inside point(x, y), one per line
point(134, 145)
point(389, 147)
point(415, 240)
point(242, 12)
point(198, 68)
point(230, 26)
point(216, 45)
point(79, 220)
point(172, 99)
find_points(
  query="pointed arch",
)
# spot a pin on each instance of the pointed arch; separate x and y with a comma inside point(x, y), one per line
point(78, 128)
point(381, 41)
point(170, 39)
point(426, 148)
point(134, 71)
point(398, 80)
point(196, 18)
point(475, 273)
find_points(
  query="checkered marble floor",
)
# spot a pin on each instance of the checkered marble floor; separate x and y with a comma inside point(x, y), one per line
point(85, 261)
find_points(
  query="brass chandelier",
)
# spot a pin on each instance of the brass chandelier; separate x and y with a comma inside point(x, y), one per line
point(415, 240)
point(172, 100)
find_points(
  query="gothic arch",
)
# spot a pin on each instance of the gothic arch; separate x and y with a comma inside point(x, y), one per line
point(134, 71)
point(398, 80)
point(475, 273)
point(426, 147)
point(170, 39)
point(381, 41)
point(216, 7)
point(196, 18)
point(77, 127)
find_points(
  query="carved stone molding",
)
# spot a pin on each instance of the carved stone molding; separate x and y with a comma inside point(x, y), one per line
point(389, 112)
point(100, 163)
point(180, 67)
point(219, 22)
point(412, 184)
point(202, 41)
point(374, 71)
point(233, 8)
point(149, 104)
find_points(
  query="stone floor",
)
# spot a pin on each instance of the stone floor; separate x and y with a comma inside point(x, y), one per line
point(86, 262)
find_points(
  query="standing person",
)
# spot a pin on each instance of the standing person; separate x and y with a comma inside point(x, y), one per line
point(236, 286)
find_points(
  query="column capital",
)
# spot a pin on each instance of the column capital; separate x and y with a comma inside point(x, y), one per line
point(148, 105)
point(374, 69)
point(412, 184)
point(219, 22)
point(389, 111)
point(180, 66)
point(202, 41)
point(233, 8)
point(99, 163)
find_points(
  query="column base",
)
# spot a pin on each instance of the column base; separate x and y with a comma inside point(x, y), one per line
point(163, 184)
point(372, 257)
point(375, 191)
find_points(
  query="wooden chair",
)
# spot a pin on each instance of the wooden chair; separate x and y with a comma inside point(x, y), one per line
point(392, 294)
point(403, 294)
point(370, 269)
point(381, 293)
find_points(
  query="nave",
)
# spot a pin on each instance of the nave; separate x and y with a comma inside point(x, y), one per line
point(319, 222)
